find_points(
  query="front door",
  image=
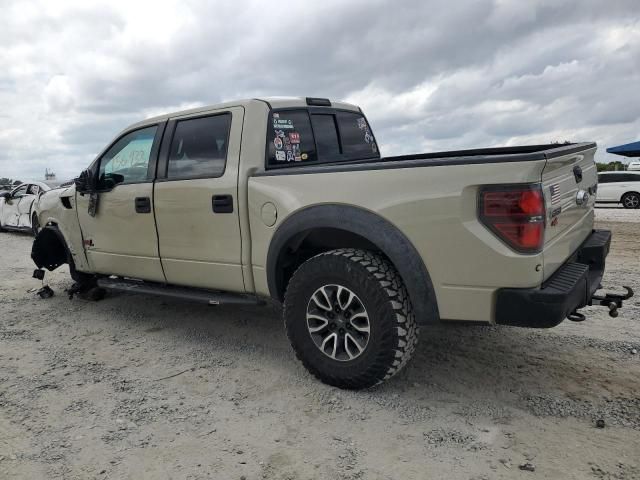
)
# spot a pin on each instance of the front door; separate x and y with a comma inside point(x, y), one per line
point(120, 236)
point(196, 201)
point(10, 209)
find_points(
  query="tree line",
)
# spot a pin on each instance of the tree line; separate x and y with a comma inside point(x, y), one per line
point(611, 166)
point(8, 183)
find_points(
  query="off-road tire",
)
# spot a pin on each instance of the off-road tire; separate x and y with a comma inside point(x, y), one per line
point(393, 330)
point(631, 200)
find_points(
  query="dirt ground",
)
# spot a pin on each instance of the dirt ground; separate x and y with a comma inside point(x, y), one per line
point(139, 387)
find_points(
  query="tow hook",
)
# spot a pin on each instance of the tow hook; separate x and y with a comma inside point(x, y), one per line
point(613, 301)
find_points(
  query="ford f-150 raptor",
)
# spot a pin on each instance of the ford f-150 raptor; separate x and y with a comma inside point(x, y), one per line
point(290, 200)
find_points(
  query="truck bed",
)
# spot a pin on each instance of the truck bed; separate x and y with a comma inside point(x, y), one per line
point(521, 153)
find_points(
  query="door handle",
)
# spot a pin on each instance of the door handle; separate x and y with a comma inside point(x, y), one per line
point(143, 205)
point(222, 204)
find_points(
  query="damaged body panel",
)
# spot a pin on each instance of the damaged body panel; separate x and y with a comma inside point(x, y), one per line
point(60, 239)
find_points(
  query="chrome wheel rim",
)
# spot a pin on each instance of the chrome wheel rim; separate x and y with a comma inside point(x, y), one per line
point(631, 201)
point(338, 323)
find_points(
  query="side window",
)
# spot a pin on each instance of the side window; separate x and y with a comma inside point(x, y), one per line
point(33, 190)
point(630, 177)
point(290, 138)
point(20, 192)
point(127, 160)
point(604, 178)
point(326, 133)
point(356, 136)
point(199, 147)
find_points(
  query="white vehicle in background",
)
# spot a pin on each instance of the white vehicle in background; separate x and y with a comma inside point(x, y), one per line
point(17, 207)
point(634, 166)
point(619, 187)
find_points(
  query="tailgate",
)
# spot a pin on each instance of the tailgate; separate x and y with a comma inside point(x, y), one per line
point(569, 179)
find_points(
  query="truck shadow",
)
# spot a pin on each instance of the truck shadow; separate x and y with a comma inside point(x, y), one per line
point(479, 366)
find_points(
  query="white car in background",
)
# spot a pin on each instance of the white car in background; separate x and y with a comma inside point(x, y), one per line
point(619, 187)
point(634, 166)
point(17, 207)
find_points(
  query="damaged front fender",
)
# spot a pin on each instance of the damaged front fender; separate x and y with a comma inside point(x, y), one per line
point(49, 249)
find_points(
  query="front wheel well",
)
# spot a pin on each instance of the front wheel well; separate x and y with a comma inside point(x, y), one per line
point(49, 249)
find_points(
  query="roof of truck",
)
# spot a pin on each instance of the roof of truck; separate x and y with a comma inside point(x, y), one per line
point(273, 102)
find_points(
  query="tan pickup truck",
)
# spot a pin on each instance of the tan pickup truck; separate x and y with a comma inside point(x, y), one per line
point(290, 200)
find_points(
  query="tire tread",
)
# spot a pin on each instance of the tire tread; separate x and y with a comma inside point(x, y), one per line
point(389, 282)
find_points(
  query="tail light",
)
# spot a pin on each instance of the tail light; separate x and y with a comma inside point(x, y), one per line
point(516, 214)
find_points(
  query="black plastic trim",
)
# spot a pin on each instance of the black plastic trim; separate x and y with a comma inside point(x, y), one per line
point(197, 295)
point(39, 251)
point(384, 235)
point(142, 204)
point(318, 102)
point(569, 288)
point(222, 203)
point(526, 153)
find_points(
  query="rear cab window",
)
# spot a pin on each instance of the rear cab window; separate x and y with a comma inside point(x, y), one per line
point(312, 136)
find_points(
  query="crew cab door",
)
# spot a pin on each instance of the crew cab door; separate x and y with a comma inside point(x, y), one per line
point(196, 202)
point(120, 238)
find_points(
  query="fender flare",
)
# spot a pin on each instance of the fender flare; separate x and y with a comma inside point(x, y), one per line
point(377, 230)
point(38, 249)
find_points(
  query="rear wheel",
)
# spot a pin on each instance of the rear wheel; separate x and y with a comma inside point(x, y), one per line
point(631, 200)
point(349, 318)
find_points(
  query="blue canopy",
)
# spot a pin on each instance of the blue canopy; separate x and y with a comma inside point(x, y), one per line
point(626, 150)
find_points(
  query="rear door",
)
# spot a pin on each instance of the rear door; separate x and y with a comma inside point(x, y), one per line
point(607, 187)
point(25, 205)
point(569, 180)
point(120, 239)
point(196, 201)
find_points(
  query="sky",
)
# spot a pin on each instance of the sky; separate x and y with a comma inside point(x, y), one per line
point(430, 75)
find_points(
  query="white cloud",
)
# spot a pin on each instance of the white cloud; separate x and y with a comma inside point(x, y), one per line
point(58, 94)
point(429, 76)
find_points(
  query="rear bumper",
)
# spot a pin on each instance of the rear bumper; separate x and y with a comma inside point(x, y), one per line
point(569, 288)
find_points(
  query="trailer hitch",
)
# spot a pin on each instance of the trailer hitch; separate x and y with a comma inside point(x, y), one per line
point(613, 301)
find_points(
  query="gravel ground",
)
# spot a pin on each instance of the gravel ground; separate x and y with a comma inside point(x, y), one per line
point(138, 387)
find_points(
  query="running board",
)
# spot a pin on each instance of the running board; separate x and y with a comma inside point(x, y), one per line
point(196, 295)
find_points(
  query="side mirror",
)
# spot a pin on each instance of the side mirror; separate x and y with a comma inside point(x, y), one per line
point(84, 183)
point(5, 195)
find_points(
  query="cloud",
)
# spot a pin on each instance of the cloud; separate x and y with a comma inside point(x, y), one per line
point(58, 94)
point(430, 75)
